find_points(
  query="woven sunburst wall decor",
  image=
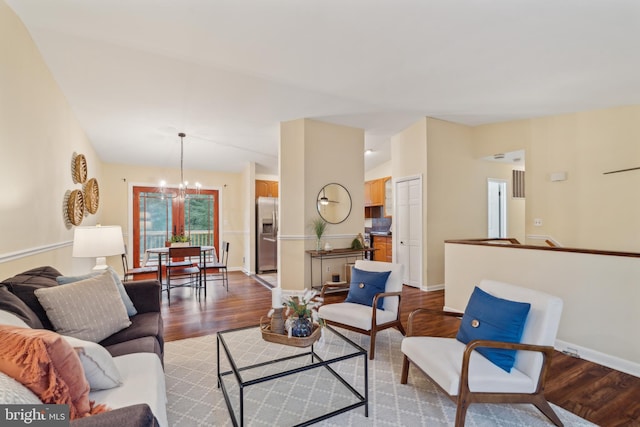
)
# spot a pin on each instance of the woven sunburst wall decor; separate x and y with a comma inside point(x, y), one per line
point(79, 203)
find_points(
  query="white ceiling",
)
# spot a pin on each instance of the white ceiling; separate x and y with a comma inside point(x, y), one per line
point(137, 72)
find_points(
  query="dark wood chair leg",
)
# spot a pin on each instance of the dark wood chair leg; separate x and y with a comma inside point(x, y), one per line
point(405, 370)
point(461, 411)
point(546, 409)
point(372, 347)
point(401, 329)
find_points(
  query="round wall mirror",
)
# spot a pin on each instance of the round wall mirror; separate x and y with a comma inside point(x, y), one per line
point(334, 203)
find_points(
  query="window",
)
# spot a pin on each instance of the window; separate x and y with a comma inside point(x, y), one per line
point(158, 214)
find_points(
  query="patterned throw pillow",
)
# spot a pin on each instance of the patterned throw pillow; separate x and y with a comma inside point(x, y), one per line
point(131, 310)
point(89, 309)
point(14, 393)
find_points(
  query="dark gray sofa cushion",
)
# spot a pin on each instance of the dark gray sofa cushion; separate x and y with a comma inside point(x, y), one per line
point(142, 325)
point(139, 415)
point(145, 295)
point(24, 285)
point(11, 303)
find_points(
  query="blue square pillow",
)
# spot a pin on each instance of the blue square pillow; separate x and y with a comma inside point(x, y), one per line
point(365, 285)
point(491, 318)
point(131, 310)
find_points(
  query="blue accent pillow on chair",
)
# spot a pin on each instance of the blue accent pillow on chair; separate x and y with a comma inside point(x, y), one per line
point(365, 285)
point(491, 318)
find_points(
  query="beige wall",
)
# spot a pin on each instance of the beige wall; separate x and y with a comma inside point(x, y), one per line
point(588, 210)
point(38, 137)
point(456, 192)
point(249, 191)
point(313, 154)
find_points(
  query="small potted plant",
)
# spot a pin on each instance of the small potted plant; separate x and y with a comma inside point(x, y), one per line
point(179, 240)
point(319, 226)
point(302, 314)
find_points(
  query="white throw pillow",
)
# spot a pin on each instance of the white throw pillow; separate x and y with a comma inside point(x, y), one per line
point(13, 392)
point(97, 362)
point(89, 309)
point(8, 318)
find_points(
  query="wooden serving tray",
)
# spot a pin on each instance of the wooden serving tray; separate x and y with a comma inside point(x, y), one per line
point(267, 335)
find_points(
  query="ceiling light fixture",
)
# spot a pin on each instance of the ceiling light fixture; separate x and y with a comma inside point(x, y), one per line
point(368, 151)
point(184, 185)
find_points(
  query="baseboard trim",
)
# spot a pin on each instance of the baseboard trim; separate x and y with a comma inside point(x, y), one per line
point(600, 358)
point(431, 288)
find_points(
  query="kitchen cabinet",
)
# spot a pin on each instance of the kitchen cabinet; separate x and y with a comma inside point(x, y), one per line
point(378, 198)
point(374, 192)
point(266, 188)
point(384, 248)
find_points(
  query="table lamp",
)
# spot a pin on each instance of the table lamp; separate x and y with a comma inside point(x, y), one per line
point(99, 242)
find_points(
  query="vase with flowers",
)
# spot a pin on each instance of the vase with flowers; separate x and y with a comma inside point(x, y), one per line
point(302, 313)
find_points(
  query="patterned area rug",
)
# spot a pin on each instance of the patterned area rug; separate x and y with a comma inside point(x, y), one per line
point(195, 400)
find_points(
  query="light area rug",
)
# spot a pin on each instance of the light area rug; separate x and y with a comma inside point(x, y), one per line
point(195, 400)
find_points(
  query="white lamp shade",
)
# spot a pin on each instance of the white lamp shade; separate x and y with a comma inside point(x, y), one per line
point(97, 242)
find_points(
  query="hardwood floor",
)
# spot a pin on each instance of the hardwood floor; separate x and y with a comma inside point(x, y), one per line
point(601, 395)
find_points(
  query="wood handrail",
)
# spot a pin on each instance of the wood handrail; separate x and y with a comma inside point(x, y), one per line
point(489, 242)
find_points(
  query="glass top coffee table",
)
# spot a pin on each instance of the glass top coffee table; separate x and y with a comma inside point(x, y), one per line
point(266, 383)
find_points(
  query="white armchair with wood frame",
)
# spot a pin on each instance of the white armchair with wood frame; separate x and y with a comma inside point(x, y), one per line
point(467, 376)
point(366, 319)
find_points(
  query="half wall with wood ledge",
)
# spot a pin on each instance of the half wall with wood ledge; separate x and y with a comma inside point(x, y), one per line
point(600, 289)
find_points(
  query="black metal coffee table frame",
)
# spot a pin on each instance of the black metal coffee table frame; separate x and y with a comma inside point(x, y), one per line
point(316, 362)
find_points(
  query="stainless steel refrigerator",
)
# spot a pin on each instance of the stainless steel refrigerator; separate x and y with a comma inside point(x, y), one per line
point(266, 234)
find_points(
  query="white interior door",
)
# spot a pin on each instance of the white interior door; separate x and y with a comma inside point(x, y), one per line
point(497, 208)
point(407, 239)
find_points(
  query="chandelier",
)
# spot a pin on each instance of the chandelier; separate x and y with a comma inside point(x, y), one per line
point(183, 186)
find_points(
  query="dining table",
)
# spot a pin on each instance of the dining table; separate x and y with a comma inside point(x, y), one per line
point(163, 252)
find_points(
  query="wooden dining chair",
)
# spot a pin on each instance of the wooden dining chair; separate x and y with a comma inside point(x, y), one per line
point(182, 268)
point(131, 273)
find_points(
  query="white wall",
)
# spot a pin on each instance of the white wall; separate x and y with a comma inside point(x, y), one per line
point(600, 293)
point(381, 171)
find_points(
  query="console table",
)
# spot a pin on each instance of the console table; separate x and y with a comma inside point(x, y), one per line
point(345, 253)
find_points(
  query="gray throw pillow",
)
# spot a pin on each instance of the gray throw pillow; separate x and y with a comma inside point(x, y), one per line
point(89, 309)
point(131, 310)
